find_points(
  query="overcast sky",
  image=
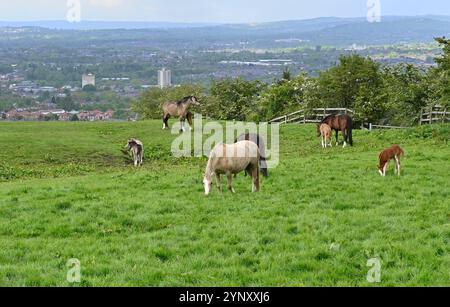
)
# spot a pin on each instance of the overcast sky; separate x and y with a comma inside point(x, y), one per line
point(218, 11)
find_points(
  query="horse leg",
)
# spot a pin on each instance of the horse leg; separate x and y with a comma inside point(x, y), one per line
point(230, 183)
point(166, 121)
point(183, 123)
point(135, 158)
point(321, 138)
point(337, 137)
point(189, 118)
point(397, 165)
point(385, 168)
point(218, 183)
point(344, 133)
point(255, 179)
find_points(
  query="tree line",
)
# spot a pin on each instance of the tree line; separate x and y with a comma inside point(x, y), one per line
point(377, 93)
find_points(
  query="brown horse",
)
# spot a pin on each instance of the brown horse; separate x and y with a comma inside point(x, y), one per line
point(340, 122)
point(392, 153)
point(179, 109)
point(325, 135)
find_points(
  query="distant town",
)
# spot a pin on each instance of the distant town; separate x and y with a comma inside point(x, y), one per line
point(50, 74)
point(47, 111)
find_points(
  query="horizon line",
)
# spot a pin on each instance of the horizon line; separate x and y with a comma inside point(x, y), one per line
point(210, 22)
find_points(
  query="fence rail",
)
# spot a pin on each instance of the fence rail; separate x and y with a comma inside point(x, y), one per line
point(373, 127)
point(311, 116)
point(434, 114)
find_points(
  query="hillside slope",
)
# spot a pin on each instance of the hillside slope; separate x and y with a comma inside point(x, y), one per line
point(318, 219)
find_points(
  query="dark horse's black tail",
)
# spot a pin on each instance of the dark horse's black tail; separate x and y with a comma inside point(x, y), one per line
point(350, 131)
point(263, 167)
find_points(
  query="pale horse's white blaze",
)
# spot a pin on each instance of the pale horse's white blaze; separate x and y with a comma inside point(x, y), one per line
point(207, 184)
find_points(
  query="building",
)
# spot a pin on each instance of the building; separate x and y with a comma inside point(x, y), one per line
point(60, 115)
point(95, 115)
point(164, 78)
point(87, 79)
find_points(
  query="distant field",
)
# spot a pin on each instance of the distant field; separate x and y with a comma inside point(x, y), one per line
point(66, 192)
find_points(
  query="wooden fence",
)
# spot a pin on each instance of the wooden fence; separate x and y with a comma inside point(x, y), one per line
point(434, 114)
point(376, 127)
point(312, 116)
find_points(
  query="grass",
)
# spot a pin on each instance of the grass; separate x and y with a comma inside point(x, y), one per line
point(66, 192)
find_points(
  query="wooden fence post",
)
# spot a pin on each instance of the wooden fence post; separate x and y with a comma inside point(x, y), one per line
point(431, 115)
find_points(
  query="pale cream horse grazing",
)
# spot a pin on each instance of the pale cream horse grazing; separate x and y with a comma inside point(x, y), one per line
point(230, 160)
point(325, 134)
point(137, 151)
point(179, 109)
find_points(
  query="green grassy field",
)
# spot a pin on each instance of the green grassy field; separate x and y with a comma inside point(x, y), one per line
point(66, 192)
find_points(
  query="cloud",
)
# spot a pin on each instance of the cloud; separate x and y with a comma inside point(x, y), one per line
point(106, 3)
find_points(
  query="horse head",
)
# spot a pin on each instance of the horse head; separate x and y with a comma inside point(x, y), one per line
point(129, 144)
point(207, 183)
point(194, 100)
point(132, 143)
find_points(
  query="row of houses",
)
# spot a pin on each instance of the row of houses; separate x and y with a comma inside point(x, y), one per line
point(60, 115)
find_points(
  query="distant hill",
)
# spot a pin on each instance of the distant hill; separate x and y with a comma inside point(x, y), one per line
point(329, 31)
point(344, 31)
point(100, 25)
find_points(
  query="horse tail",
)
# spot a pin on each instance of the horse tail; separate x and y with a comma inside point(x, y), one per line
point(263, 167)
point(350, 130)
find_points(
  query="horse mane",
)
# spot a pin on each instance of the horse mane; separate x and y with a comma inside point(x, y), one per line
point(327, 118)
point(332, 115)
point(184, 100)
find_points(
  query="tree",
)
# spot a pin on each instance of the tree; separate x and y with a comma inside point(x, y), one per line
point(234, 99)
point(89, 88)
point(283, 97)
point(67, 103)
point(287, 76)
point(439, 77)
point(354, 83)
point(405, 93)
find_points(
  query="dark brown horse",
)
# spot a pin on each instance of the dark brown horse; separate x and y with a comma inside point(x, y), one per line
point(340, 122)
point(258, 140)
